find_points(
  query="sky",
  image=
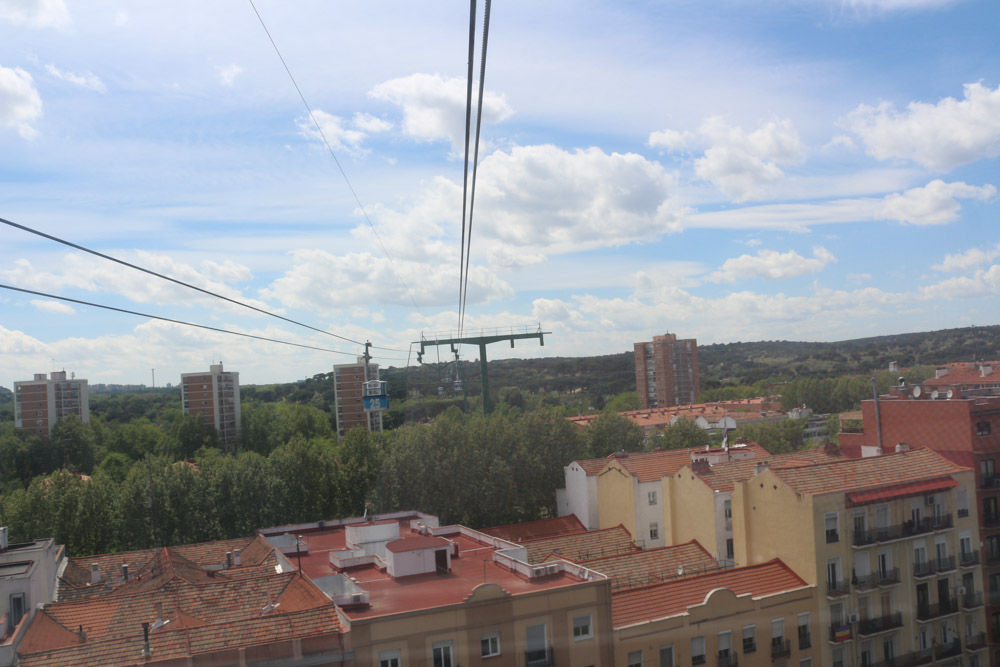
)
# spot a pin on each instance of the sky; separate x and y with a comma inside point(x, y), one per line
point(738, 170)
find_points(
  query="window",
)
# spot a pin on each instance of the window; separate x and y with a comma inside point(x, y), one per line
point(537, 649)
point(805, 640)
point(389, 659)
point(667, 656)
point(441, 652)
point(838, 656)
point(982, 428)
point(582, 628)
point(993, 548)
point(698, 651)
point(635, 659)
point(490, 645)
point(654, 531)
point(990, 510)
point(986, 468)
point(730, 552)
point(652, 497)
point(728, 509)
point(749, 638)
point(962, 502)
point(832, 527)
point(724, 645)
point(17, 608)
point(805, 662)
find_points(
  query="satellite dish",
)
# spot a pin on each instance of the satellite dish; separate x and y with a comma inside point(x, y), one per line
point(917, 391)
point(949, 394)
point(934, 394)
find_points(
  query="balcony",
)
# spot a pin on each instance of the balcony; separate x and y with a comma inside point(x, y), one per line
point(945, 564)
point(836, 589)
point(989, 481)
point(923, 568)
point(991, 519)
point(968, 558)
point(539, 658)
point(728, 660)
point(902, 530)
point(929, 612)
point(976, 641)
point(873, 626)
point(888, 577)
point(865, 581)
point(949, 650)
point(805, 641)
point(780, 648)
point(972, 600)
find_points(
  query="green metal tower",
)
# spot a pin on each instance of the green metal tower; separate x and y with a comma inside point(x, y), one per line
point(485, 337)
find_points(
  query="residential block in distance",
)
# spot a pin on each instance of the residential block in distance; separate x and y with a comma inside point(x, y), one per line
point(666, 372)
point(43, 402)
point(348, 387)
point(216, 397)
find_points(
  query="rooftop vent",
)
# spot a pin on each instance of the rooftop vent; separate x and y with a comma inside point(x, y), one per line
point(3, 537)
point(902, 447)
point(95, 574)
point(236, 556)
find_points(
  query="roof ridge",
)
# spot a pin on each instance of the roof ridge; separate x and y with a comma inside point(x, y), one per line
point(639, 552)
point(718, 573)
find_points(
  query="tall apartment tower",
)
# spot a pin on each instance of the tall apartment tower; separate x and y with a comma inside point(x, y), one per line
point(215, 396)
point(41, 403)
point(666, 372)
point(349, 383)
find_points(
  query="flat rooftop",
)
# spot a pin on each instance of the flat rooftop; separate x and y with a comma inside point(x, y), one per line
point(472, 565)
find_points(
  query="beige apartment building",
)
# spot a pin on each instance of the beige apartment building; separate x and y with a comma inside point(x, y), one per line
point(216, 397)
point(892, 545)
point(43, 402)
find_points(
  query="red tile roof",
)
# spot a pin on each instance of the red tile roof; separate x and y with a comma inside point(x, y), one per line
point(533, 530)
point(721, 476)
point(415, 542)
point(654, 465)
point(582, 546)
point(967, 375)
point(744, 410)
point(640, 568)
point(877, 471)
point(656, 601)
point(918, 488)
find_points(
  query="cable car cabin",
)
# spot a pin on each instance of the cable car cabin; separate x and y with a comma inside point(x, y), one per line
point(458, 386)
point(374, 395)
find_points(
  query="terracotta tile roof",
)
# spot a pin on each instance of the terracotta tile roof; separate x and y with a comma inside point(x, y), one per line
point(654, 465)
point(582, 546)
point(965, 375)
point(640, 568)
point(415, 542)
point(534, 530)
point(722, 476)
point(851, 474)
point(668, 599)
point(749, 409)
point(918, 488)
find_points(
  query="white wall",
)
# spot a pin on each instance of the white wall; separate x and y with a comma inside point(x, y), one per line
point(579, 497)
point(418, 561)
point(646, 514)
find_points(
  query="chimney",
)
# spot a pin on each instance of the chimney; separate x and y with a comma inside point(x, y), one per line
point(985, 370)
point(145, 641)
point(160, 620)
point(760, 467)
point(902, 447)
point(236, 556)
point(95, 574)
point(270, 606)
point(940, 371)
point(229, 559)
point(125, 571)
point(3, 538)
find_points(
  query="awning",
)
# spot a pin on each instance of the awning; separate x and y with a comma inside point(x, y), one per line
point(918, 488)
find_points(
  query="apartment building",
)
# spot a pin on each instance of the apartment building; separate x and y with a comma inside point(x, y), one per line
point(350, 382)
point(43, 402)
point(666, 372)
point(216, 397)
point(964, 429)
point(413, 593)
point(627, 488)
point(966, 378)
point(231, 602)
point(891, 543)
point(762, 615)
point(27, 581)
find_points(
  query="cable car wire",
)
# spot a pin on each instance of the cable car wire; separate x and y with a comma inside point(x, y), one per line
point(182, 283)
point(343, 173)
point(465, 171)
point(190, 324)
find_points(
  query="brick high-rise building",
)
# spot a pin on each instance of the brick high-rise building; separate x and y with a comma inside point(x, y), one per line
point(215, 396)
point(349, 384)
point(41, 403)
point(666, 372)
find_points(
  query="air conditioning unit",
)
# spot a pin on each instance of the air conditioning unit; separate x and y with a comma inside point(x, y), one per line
point(357, 598)
point(552, 568)
point(538, 571)
point(852, 618)
point(929, 500)
point(960, 591)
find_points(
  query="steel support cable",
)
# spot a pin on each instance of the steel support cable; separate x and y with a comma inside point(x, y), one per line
point(475, 161)
point(465, 171)
point(182, 283)
point(189, 324)
point(343, 173)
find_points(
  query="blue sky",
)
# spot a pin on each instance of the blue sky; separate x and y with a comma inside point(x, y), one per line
point(736, 170)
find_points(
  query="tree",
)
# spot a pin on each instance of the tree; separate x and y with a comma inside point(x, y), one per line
point(681, 434)
point(623, 402)
point(776, 437)
point(612, 433)
point(72, 444)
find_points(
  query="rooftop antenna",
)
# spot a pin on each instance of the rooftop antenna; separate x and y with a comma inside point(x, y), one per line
point(153, 371)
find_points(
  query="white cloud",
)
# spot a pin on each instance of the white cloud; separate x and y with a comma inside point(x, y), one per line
point(343, 135)
point(120, 20)
point(896, 5)
point(320, 281)
point(57, 307)
point(938, 136)
point(771, 265)
point(932, 204)
point(20, 104)
point(434, 107)
point(89, 80)
point(964, 261)
point(984, 282)
point(228, 73)
point(840, 141)
point(740, 164)
point(35, 13)
point(753, 243)
point(859, 277)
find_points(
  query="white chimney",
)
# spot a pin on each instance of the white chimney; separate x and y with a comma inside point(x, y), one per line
point(160, 620)
point(985, 370)
point(902, 447)
point(95, 574)
point(3, 538)
point(125, 571)
point(236, 557)
point(939, 372)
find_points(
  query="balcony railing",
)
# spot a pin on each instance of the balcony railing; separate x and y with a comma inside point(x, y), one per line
point(923, 568)
point(971, 600)
point(888, 577)
point(993, 557)
point(865, 581)
point(539, 657)
point(780, 648)
point(968, 558)
point(945, 564)
point(838, 588)
point(991, 519)
point(993, 598)
point(805, 641)
point(902, 530)
point(976, 641)
point(729, 660)
point(948, 650)
point(943, 608)
point(988, 481)
point(871, 626)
